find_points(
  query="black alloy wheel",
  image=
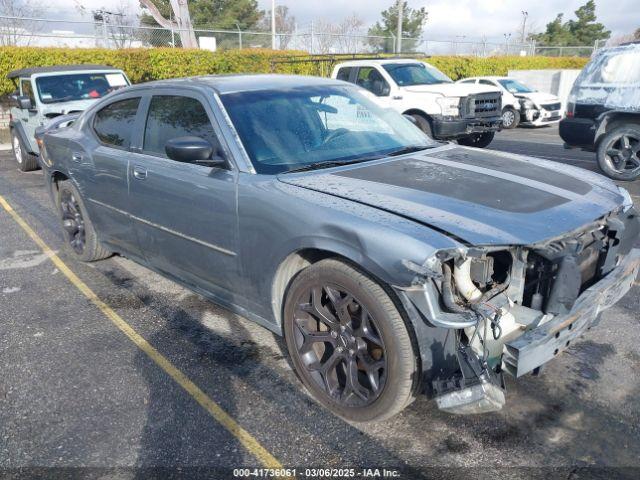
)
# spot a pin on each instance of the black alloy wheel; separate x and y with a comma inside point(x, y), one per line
point(338, 342)
point(619, 153)
point(349, 342)
point(72, 221)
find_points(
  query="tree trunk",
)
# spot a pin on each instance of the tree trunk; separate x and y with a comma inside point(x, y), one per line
point(182, 24)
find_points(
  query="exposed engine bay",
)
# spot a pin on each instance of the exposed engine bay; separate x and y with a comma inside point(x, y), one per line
point(515, 308)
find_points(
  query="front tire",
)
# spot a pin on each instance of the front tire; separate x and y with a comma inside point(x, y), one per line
point(79, 233)
point(478, 140)
point(510, 118)
point(423, 124)
point(349, 343)
point(618, 153)
point(25, 161)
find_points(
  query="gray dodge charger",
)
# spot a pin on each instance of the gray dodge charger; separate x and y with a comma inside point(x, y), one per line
point(394, 265)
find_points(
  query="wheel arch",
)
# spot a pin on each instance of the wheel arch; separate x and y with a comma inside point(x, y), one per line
point(297, 261)
point(300, 259)
point(417, 111)
point(612, 119)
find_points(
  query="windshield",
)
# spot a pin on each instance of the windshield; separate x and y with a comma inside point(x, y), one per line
point(78, 86)
point(406, 74)
point(514, 86)
point(284, 130)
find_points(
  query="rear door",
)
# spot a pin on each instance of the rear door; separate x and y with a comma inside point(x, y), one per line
point(104, 169)
point(184, 214)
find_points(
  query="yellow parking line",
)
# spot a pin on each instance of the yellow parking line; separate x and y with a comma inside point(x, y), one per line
point(244, 437)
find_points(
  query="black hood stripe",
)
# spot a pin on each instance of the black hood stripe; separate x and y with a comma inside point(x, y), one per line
point(560, 192)
point(518, 166)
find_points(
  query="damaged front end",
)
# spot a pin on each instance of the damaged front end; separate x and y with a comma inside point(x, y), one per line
point(512, 309)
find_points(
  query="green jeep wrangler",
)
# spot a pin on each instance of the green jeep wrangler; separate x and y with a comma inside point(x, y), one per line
point(43, 93)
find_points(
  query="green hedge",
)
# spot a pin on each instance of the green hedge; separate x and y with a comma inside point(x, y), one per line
point(157, 63)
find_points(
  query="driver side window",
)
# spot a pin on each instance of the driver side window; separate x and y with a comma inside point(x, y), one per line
point(173, 116)
point(372, 80)
point(27, 91)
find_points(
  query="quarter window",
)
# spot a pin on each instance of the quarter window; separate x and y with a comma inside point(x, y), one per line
point(114, 123)
point(176, 116)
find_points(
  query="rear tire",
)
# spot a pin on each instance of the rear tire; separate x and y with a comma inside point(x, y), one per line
point(349, 343)
point(510, 118)
point(80, 236)
point(618, 153)
point(478, 140)
point(26, 162)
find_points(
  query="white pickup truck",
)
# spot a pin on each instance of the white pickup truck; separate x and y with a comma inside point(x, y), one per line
point(470, 114)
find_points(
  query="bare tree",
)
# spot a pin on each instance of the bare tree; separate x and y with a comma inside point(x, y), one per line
point(325, 38)
point(285, 25)
point(17, 28)
point(348, 31)
point(342, 37)
point(182, 22)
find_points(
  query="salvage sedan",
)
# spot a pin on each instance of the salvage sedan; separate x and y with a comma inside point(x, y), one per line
point(393, 265)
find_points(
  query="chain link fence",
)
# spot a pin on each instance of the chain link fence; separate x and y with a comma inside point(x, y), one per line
point(20, 31)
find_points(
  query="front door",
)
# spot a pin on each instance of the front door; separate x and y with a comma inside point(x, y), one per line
point(184, 213)
point(29, 117)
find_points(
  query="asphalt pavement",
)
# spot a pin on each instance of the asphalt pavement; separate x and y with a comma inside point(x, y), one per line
point(82, 393)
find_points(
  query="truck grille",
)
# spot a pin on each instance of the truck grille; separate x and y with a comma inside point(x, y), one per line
point(551, 106)
point(483, 105)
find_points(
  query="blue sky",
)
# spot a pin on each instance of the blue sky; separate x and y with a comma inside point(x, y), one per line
point(447, 18)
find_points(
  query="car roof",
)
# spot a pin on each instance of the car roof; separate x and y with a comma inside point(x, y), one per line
point(224, 84)
point(28, 72)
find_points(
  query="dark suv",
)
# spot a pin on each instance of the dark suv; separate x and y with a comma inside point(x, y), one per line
point(603, 111)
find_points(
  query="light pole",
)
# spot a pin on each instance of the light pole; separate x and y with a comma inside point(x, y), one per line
point(239, 36)
point(400, 18)
point(507, 36)
point(273, 24)
point(524, 26)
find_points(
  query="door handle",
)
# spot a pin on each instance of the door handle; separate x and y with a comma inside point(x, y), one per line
point(76, 157)
point(139, 172)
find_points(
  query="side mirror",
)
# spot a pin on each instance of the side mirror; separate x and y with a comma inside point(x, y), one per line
point(192, 150)
point(24, 102)
point(386, 90)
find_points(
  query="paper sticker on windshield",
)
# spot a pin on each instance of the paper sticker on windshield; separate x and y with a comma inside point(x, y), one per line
point(116, 80)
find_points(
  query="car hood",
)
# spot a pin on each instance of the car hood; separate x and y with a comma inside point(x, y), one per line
point(66, 107)
point(479, 197)
point(539, 97)
point(451, 89)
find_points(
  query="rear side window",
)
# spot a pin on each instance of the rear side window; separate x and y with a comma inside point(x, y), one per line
point(176, 116)
point(114, 123)
point(344, 73)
